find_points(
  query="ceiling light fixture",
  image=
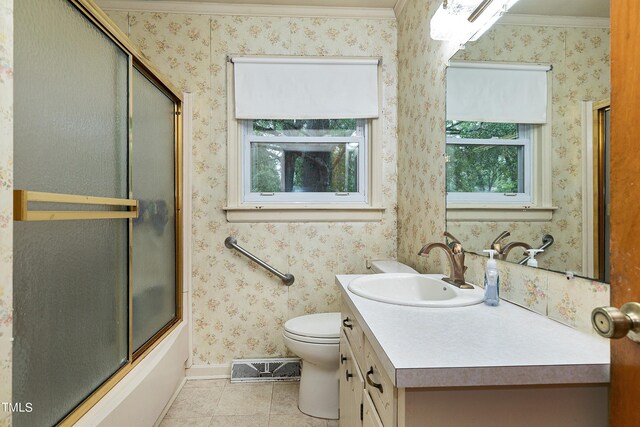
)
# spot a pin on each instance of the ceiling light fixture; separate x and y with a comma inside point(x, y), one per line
point(462, 20)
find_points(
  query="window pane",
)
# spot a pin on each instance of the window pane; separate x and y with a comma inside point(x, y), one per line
point(481, 130)
point(304, 167)
point(315, 127)
point(485, 168)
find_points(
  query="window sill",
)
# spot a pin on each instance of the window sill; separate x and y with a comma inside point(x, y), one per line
point(303, 213)
point(498, 213)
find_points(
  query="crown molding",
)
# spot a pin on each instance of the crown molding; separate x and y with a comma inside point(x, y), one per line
point(247, 9)
point(554, 21)
point(399, 7)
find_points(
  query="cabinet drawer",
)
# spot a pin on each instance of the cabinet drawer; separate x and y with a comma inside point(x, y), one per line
point(380, 387)
point(354, 333)
point(370, 417)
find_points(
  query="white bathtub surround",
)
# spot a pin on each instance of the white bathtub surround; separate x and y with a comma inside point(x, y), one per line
point(141, 397)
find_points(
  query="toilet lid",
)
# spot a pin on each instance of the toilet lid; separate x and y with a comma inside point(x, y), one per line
point(321, 325)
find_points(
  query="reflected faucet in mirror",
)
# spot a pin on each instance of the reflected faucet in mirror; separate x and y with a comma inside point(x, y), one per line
point(503, 251)
point(547, 240)
point(455, 256)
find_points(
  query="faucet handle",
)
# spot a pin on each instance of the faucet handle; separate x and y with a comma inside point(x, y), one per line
point(498, 239)
point(453, 239)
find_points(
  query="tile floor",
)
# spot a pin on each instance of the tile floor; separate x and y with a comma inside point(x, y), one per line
point(218, 403)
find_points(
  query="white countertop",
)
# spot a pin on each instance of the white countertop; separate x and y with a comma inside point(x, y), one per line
point(476, 345)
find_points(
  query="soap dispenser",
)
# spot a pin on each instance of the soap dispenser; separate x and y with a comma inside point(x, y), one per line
point(532, 261)
point(491, 280)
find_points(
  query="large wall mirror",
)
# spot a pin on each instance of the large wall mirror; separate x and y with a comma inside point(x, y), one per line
point(534, 175)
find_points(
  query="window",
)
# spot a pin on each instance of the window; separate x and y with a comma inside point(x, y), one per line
point(304, 139)
point(304, 161)
point(488, 162)
point(498, 142)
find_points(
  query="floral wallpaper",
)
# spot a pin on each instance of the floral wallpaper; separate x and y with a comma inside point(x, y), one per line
point(421, 112)
point(6, 202)
point(238, 308)
point(580, 59)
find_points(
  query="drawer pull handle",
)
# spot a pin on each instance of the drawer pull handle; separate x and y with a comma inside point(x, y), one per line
point(371, 383)
point(348, 375)
point(342, 359)
point(346, 323)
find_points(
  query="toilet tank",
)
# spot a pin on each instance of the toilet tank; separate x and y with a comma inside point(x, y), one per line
point(390, 266)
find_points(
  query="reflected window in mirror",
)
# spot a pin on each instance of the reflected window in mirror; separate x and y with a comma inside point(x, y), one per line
point(498, 135)
point(488, 162)
point(577, 47)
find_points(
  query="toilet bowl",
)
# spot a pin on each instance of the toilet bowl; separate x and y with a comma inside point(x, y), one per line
point(315, 338)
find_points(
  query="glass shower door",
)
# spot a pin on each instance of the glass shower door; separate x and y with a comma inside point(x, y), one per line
point(154, 231)
point(71, 318)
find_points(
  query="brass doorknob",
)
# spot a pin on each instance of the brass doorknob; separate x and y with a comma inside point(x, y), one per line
point(610, 322)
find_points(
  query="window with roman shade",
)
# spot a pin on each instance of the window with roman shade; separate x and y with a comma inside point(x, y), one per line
point(302, 132)
point(497, 137)
point(305, 88)
point(497, 92)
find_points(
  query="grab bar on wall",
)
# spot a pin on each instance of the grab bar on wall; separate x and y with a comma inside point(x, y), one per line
point(231, 243)
point(547, 240)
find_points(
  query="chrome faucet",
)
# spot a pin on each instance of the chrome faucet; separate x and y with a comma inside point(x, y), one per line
point(455, 255)
point(503, 251)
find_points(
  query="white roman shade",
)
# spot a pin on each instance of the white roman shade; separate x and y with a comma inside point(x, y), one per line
point(497, 92)
point(305, 88)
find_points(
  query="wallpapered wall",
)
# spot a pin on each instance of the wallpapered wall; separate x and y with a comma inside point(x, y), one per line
point(421, 105)
point(580, 59)
point(421, 187)
point(238, 309)
point(6, 202)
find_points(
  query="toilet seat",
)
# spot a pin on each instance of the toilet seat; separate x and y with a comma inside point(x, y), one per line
point(311, 340)
point(321, 328)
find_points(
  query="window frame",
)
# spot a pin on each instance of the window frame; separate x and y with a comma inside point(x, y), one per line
point(525, 133)
point(540, 208)
point(238, 211)
point(249, 137)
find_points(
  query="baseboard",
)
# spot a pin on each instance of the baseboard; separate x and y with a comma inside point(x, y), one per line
point(208, 372)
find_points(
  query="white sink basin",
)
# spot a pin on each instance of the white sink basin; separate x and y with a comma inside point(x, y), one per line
point(422, 290)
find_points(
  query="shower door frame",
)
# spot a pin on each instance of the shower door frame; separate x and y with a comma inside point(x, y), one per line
point(135, 60)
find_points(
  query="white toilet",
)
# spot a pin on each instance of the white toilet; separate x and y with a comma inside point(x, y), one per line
point(315, 338)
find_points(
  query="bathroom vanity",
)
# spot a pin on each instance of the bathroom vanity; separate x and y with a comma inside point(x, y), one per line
point(477, 365)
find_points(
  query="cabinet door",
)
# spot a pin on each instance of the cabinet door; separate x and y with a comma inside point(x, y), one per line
point(357, 389)
point(370, 416)
point(347, 409)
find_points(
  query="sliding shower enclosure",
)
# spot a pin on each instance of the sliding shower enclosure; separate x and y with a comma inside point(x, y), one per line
point(97, 159)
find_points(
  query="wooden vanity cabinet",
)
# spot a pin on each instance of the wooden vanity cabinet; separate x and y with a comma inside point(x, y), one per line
point(370, 416)
point(363, 403)
point(368, 397)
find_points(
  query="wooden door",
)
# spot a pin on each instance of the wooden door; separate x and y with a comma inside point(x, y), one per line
point(625, 202)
